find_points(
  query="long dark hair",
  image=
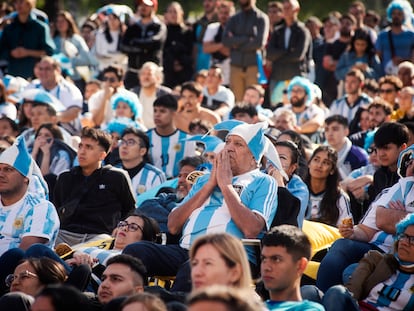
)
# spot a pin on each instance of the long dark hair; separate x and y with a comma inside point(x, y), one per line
point(361, 34)
point(72, 27)
point(53, 128)
point(151, 229)
point(108, 35)
point(328, 206)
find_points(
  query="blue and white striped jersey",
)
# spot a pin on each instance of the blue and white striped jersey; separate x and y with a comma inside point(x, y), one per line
point(257, 191)
point(32, 215)
point(166, 151)
point(147, 178)
point(396, 293)
point(401, 191)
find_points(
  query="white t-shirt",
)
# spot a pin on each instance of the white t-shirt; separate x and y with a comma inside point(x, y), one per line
point(209, 35)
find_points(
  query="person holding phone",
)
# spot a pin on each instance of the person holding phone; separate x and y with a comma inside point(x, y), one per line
point(51, 153)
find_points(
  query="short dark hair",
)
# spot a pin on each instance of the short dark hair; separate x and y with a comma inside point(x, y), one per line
point(391, 79)
point(143, 138)
point(218, 70)
point(118, 71)
point(409, 125)
point(391, 133)
point(193, 87)
point(337, 118)
point(290, 237)
point(12, 123)
point(370, 85)
point(244, 108)
point(51, 111)
point(104, 139)
point(256, 87)
point(192, 161)
point(133, 263)
point(167, 101)
point(356, 73)
point(64, 297)
point(381, 103)
point(203, 124)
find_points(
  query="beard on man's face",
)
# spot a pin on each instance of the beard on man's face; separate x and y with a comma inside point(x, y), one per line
point(396, 21)
point(297, 101)
point(345, 32)
point(244, 3)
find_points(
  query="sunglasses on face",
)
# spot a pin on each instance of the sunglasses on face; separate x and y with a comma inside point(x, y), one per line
point(109, 79)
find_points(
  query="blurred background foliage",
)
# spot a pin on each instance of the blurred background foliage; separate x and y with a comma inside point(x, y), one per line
point(193, 9)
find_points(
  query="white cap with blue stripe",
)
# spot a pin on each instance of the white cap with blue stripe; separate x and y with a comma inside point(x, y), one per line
point(256, 140)
point(41, 96)
point(253, 135)
point(18, 157)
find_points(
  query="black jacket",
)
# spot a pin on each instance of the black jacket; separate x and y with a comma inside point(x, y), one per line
point(293, 60)
point(101, 199)
point(144, 43)
point(383, 178)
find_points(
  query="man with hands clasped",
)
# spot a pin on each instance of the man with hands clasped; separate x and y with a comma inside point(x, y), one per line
point(236, 197)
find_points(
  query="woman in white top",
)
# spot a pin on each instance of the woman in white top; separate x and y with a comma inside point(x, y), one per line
point(108, 38)
point(328, 203)
point(70, 43)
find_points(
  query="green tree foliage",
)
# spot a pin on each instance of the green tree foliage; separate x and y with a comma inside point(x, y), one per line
point(319, 8)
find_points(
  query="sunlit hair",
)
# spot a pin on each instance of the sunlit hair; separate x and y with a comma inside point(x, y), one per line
point(233, 299)
point(231, 250)
point(150, 301)
point(47, 270)
point(72, 27)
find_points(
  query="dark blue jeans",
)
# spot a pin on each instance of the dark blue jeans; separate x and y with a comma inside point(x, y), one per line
point(163, 260)
point(342, 253)
point(338, 298)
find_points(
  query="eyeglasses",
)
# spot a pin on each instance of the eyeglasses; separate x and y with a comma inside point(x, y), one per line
point(388, 91)
point(110, 79)
point(408, 238)
point(21, 276)
point(128, 142)
point(372, 150)
point(131, 226)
